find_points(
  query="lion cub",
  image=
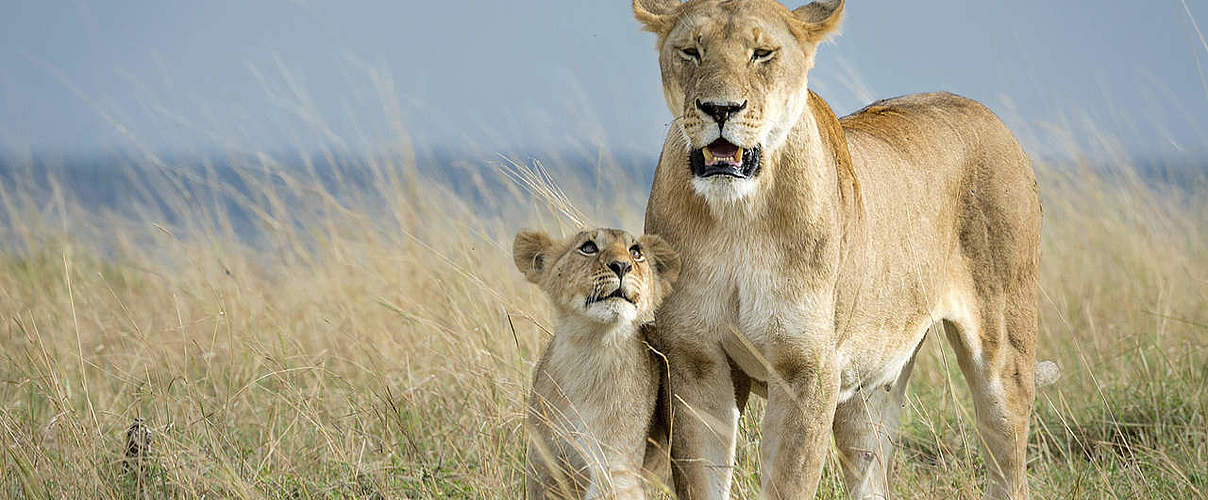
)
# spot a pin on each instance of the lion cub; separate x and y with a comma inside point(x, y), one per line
point(596, 387)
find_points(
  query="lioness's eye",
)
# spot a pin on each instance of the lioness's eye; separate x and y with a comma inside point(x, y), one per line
point(636, 252)
point(762, 54)
point(690, 53)
point(588, 248)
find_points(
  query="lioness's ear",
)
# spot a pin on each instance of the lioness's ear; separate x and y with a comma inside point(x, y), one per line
point(666, 260)
point(530, 251)
point(820, 19)
point(655, 15)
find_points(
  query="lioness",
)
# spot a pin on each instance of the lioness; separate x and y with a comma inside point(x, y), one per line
point(818, 251)
point(595, 389)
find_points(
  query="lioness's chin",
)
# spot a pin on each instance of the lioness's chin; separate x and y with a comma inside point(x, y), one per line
point(723, 190)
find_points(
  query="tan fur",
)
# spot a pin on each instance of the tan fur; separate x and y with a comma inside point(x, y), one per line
point(595, 390)
point(820, 275)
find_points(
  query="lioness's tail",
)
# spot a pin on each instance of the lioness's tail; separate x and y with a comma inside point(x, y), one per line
point(1047, 373)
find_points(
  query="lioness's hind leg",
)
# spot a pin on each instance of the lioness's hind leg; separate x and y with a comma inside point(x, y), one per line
point(995, 348)
point(866, 428)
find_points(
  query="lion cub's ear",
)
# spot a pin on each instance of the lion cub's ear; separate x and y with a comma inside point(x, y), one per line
point(531, 253)
point(655, 15)
point(666, 260)
point(820, 19)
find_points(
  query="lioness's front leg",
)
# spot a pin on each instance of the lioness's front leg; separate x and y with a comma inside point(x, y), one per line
point(617, 479)
point(705, 421)
point(796, 427)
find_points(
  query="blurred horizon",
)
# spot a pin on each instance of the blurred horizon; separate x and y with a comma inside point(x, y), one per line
point(84, 79)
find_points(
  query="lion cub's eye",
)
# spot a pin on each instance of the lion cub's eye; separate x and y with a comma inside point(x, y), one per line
point(636, 252)
point(588, 248)
point(690, 53)
point(762, 54)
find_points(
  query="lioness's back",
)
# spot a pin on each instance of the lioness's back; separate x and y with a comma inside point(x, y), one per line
point(935, 125)
point(955, 149)
point(942, 128)
point(937, 171)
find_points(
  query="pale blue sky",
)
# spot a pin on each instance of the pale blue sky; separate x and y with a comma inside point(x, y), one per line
point(538, 75)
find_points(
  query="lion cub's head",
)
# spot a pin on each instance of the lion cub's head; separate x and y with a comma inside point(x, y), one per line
point(603, 274)
point(734, 73)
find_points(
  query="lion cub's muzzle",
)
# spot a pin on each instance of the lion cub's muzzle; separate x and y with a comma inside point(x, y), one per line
point(610, 289)
point(721, 157)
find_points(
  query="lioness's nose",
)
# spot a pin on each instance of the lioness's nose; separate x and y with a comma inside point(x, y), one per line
point(720, 111)
point(620, 267)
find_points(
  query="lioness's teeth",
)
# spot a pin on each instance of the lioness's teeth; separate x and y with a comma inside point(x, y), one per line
point(708, 156)
point(738, 156)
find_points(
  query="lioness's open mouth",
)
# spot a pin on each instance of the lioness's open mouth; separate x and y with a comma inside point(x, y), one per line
point(721, 157)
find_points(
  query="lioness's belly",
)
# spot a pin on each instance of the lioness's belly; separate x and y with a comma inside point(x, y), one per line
point(873, 360)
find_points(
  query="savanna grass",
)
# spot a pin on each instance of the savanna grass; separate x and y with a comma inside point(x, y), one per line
point(372, 339)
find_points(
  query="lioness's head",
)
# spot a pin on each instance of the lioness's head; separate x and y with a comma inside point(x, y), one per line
point(734, 73)
point(604, 274)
